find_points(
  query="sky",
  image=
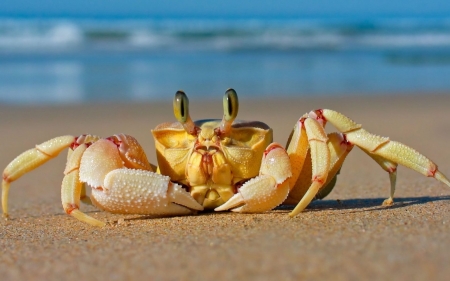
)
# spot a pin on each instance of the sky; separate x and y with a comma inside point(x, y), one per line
point(238, 8)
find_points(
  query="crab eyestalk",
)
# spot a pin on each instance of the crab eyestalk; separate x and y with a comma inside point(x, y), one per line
point(181, 112)
point(230, 110)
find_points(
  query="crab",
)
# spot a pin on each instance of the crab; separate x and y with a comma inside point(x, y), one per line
point(215, 164)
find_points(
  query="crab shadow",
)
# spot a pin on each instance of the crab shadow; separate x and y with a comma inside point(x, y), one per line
point(355, 205)
point(366, 204)
point(352, 205)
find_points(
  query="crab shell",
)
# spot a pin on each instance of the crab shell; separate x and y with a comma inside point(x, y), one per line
point(209, 164)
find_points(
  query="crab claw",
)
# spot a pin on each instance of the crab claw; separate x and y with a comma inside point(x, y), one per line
point(121, 190)
point(266, 191)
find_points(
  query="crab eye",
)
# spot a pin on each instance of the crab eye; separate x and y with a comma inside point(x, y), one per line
point(181, 107)
point(230, 105)
point(181, 112)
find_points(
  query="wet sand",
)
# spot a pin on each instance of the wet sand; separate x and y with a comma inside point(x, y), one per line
point(346, 236)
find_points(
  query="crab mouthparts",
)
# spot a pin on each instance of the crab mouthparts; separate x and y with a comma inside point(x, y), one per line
point(207, 148)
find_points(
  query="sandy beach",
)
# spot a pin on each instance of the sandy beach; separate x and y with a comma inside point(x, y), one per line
point(346, 236)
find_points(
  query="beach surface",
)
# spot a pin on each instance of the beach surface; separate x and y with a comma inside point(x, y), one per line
point(346, 236)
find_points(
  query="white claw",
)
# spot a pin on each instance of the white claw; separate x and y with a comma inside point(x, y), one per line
point(181, 197)
point(236, 201)
point(266, 191)
point(258, 195)
point(129, 191)
point(276, 163)
point(97, 161)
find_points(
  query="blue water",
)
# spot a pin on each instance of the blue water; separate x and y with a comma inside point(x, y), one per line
point(72, 60)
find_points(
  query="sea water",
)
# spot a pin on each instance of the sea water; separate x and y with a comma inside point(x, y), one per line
point(77, 60)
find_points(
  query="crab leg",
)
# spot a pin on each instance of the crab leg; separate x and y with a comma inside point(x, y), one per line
point(339, 148)
point(320, 157)
point(35, 157)
point(297, 149)
point(391, 168)
point(71, 188)
point(30, 160)
point(267, 190)
point(391, 152)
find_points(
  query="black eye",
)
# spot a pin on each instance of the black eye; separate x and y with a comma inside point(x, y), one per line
point(181, 107)
point(230, 105)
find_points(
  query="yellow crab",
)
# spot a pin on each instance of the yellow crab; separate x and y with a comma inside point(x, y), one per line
point(213, 164)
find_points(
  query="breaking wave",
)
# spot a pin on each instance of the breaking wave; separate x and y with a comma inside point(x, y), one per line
point(222, 35)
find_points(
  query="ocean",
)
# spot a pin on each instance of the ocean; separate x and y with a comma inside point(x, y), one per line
point(79, 60)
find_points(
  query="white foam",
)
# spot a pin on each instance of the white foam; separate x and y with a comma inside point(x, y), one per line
point(21, 35)
point(407, 40)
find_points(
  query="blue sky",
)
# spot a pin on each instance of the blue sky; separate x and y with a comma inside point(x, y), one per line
point(239, 8)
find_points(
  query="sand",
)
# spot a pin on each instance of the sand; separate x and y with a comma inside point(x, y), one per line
point(346, 236)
